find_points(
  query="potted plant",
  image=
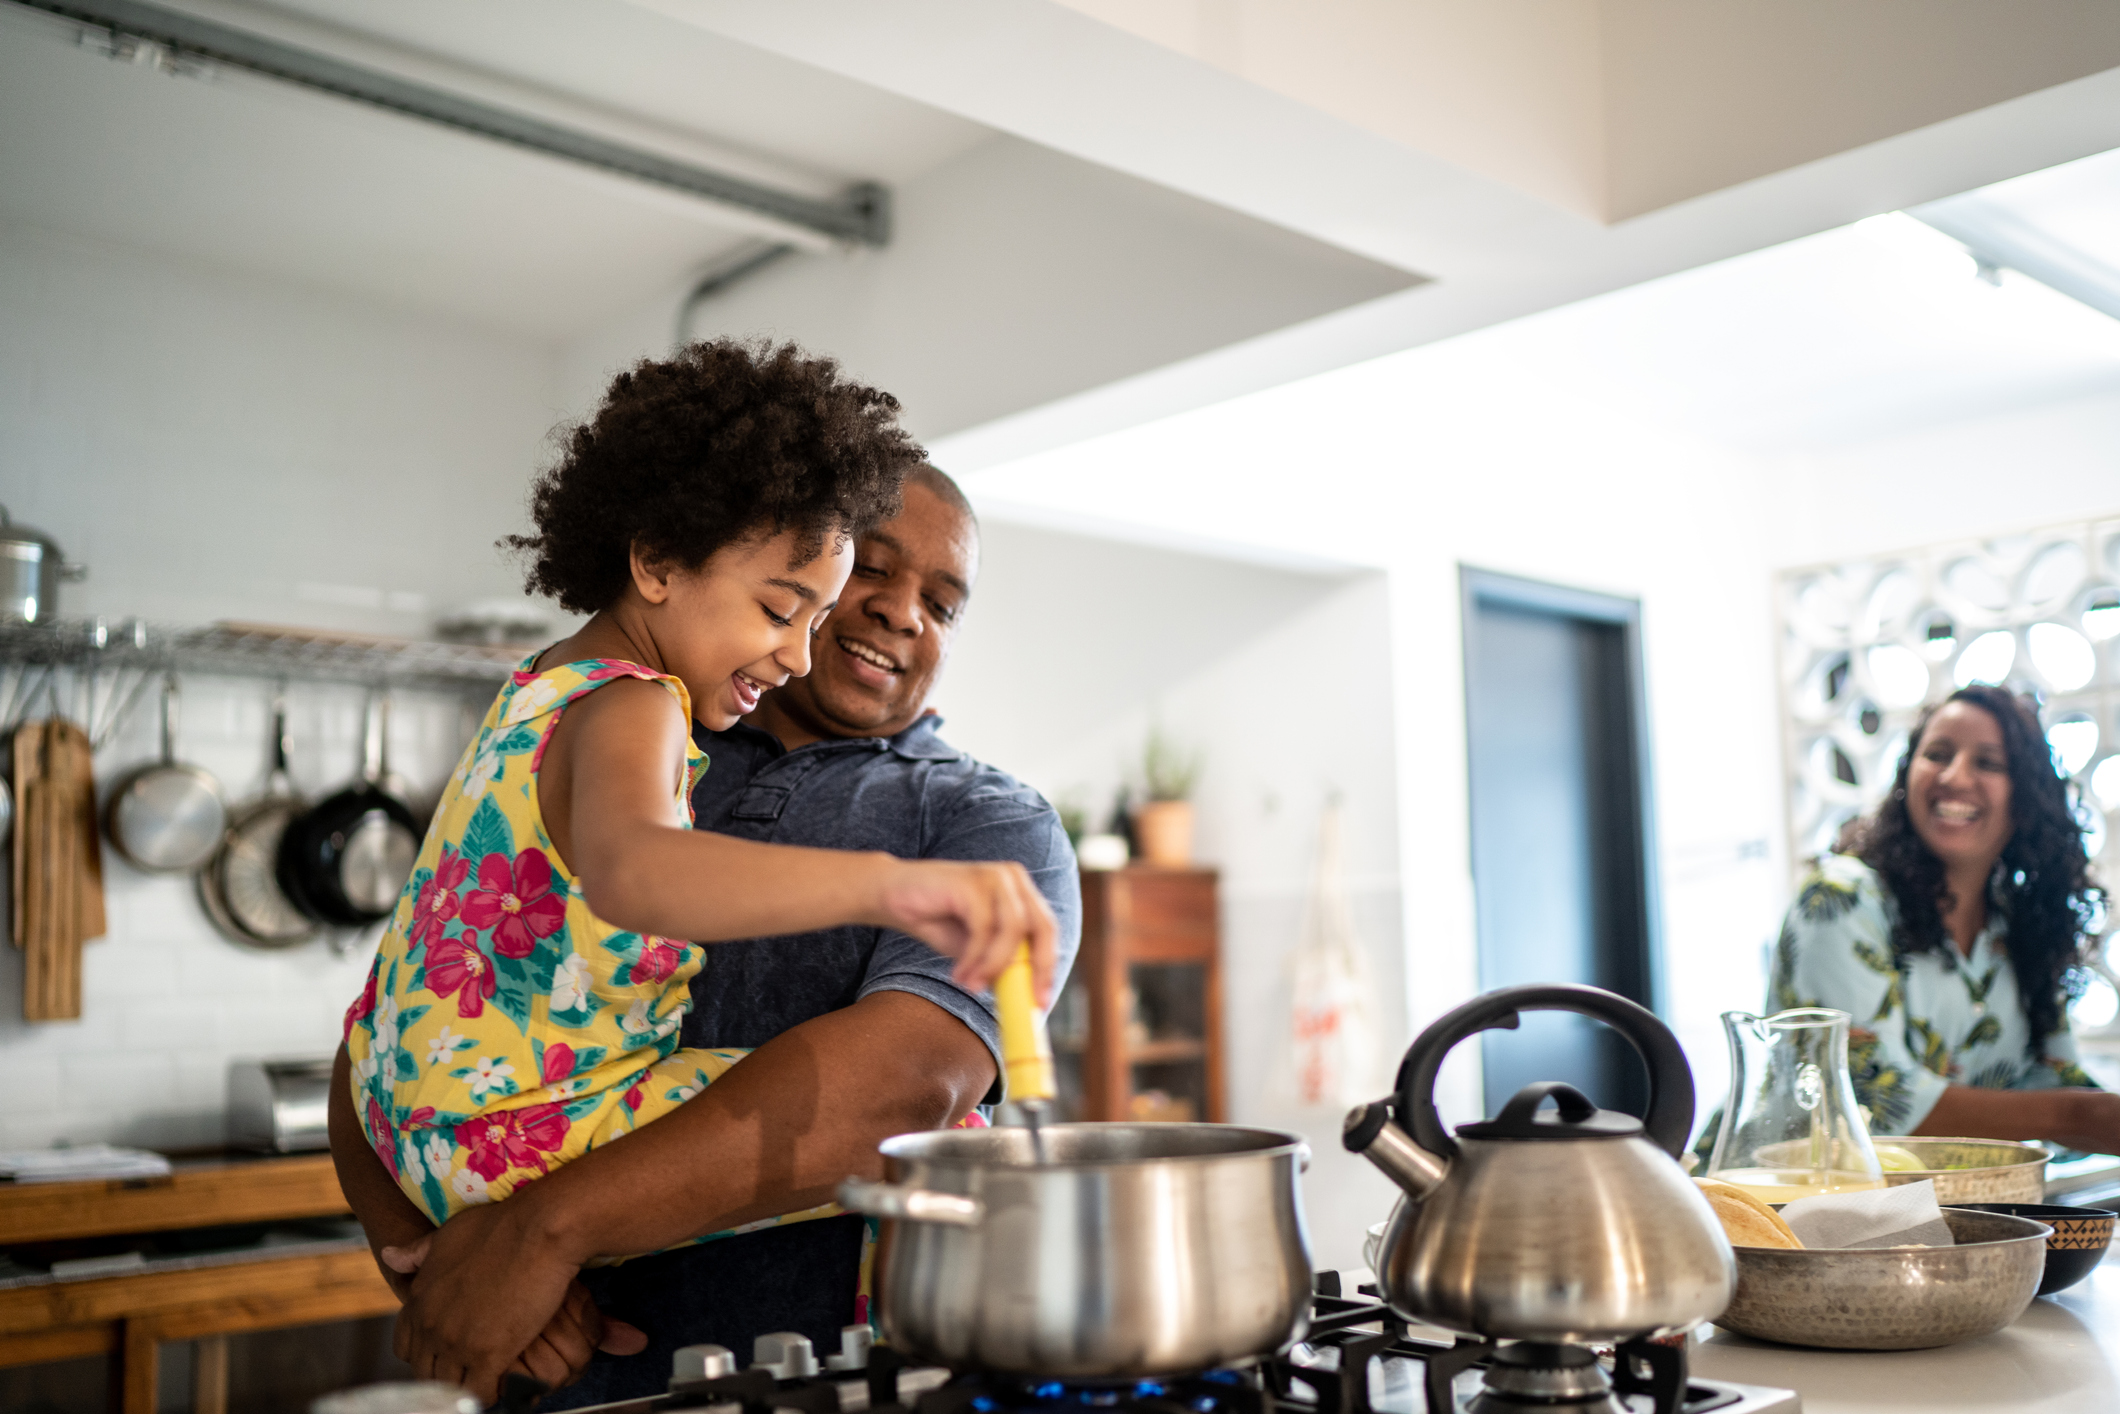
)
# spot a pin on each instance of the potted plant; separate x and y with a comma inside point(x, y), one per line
point(1163, 823)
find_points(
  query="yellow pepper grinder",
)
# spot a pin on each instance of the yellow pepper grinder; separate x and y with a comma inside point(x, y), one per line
point(1026, 1053)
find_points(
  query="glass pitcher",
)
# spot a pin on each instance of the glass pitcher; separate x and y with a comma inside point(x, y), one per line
point(1791, 1128)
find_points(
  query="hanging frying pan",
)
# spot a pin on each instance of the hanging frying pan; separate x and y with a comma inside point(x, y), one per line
point(238, 887)
point(167, 817)
point(346, 860)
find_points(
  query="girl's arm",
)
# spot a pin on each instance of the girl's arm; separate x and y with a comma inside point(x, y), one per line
point(607, 788)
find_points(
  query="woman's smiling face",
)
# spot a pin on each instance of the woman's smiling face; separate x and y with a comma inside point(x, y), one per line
point(1958, 787)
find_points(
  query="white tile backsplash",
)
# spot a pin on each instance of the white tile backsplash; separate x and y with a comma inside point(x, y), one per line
point(167, 1002)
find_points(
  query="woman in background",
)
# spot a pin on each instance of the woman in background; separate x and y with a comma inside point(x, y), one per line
point(1951, 930)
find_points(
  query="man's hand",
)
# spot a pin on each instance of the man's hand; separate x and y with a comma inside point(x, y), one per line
point(563, 1349)
point(978, 914)
point(486, 1294)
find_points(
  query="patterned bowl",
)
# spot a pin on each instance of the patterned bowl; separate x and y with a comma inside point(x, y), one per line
point(1891, 1298)
point(1974, 1170)
point(2080, 1238)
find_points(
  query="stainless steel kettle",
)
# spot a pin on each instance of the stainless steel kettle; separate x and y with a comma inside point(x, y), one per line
point(1575, 1225)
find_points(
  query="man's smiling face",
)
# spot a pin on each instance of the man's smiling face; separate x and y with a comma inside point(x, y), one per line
point(878, 655)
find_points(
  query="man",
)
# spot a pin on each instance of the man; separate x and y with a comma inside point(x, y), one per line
point(859, 1032)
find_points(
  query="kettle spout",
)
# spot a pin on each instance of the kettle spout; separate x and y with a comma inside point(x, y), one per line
point(1370, 1132)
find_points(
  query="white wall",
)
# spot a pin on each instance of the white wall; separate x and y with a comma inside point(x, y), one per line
point(1282, 681)
point(1426, 461)
point(214, 445)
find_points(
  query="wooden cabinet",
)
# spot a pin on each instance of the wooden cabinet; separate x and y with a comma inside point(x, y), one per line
point(128, 1317)
point(1138, 1031)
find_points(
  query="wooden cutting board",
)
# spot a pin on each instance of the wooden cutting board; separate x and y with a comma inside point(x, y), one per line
point(58, 865)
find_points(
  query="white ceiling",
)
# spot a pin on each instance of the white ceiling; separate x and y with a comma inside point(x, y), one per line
point(1876, 330)
point(246, 173)
point(252, 174)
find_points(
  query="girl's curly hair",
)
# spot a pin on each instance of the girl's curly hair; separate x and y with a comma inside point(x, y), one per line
point(723, 440)
point(2041, 885)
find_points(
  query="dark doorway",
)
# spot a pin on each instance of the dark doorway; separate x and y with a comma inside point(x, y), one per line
point(1560, 824)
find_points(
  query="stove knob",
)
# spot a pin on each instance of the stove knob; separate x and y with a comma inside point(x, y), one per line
point(854, 1343)
point(787, 1355)
point(702, 1362)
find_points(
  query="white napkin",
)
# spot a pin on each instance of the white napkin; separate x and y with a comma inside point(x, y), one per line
point(81, 1161)
point(1907, 1216)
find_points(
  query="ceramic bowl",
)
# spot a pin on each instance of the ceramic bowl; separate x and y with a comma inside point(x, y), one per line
point(1974, 1170)
point(2080, 1238)
point(1892, 1298)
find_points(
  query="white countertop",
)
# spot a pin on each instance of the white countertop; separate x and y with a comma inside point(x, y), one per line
point(2061, 1355)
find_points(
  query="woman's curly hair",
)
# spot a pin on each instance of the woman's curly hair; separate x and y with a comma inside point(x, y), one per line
point(2041, 885)
point(721, 441)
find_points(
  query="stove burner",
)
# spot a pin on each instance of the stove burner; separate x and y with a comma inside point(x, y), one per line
point(1562, 1379)
point(1358, 1358)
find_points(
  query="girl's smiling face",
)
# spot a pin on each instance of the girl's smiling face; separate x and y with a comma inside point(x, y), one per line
point(1958, 787)
point(742, 622)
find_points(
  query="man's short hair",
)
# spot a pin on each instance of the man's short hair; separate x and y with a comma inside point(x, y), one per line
point(946, 491)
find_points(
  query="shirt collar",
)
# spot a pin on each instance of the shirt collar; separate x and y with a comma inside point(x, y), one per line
point(917, 742)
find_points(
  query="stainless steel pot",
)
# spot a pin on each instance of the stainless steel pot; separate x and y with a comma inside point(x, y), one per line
point(31, 568)
point(1134, 1250)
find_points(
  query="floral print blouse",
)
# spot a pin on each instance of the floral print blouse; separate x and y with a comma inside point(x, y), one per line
point(1922, 1021)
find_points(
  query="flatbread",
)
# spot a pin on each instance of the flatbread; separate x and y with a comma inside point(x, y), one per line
point(1747, 1220)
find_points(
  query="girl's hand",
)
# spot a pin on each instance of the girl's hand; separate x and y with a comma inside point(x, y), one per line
point(978, 914)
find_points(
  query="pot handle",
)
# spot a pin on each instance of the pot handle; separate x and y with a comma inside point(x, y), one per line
point(1670, 1119)
point(919, 1205)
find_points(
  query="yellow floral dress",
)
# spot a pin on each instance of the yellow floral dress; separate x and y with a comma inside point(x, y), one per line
point(504, 1028)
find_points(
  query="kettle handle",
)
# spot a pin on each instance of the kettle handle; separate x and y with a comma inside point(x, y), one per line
point(1669, 1122)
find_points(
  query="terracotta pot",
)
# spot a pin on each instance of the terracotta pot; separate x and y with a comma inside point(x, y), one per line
point(1164, 831)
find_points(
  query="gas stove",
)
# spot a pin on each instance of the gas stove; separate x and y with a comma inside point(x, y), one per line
point(1358, 1358)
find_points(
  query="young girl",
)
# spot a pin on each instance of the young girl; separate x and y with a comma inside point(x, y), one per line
point(524, 1003)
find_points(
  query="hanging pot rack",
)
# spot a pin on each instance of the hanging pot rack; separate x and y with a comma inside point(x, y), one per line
point(97, 671)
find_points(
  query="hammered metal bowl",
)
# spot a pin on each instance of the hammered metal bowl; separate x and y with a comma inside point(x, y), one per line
point(1975, 1170)
point(1891, 1298)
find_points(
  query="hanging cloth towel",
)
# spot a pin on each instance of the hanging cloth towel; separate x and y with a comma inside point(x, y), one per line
point(1332, 1027)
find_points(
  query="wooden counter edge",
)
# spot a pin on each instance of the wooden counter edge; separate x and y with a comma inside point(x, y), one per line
point(206, 1195)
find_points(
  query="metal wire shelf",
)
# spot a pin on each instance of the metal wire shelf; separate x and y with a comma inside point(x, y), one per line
point(85, 649)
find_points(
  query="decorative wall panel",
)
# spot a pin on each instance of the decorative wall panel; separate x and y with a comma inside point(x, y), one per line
point(1865, 643)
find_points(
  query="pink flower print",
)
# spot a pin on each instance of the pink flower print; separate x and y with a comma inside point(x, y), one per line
point(513, 1139)
point(559, 1062)
point(361, 1008)
point(633, 1098)
point(456, 967)
point(658, 960)
point(438, 902)
point(516, 903)
point(382, 1138)
point(608, 669)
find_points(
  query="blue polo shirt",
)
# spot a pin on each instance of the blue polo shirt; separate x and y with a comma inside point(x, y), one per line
point(912, 795)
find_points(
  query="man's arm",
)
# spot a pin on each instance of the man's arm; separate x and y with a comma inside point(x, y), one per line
point(2081, 1119)
point(391, 1220)
point(776, 1134)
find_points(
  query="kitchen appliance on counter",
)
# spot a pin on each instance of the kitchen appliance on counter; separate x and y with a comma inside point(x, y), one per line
point(1553, 1233)
point(1358, 1357)
point(279, 1106)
